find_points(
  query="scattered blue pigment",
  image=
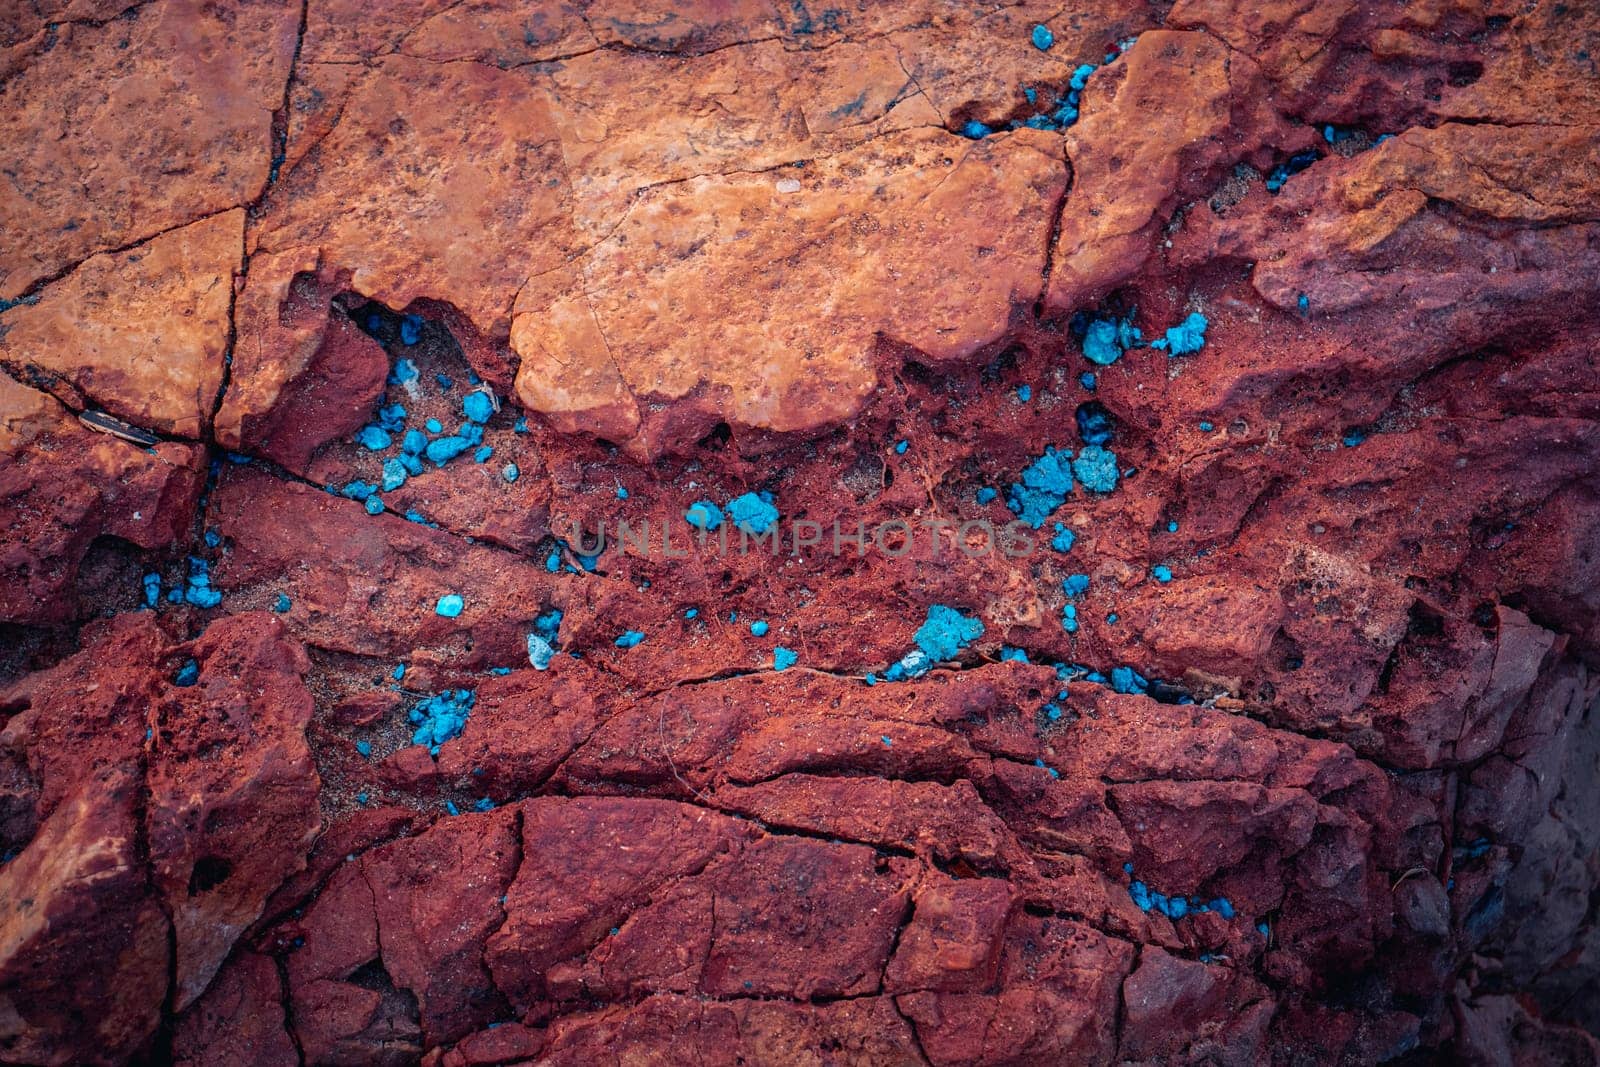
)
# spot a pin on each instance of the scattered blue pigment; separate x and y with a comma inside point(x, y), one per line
point(392, 417)
point(434, 426)
point(900, 447)
point(1024, 393)
point(410, 329)
point(1096, 468)
point(552, 562)
point(754, 513)
point(1104, 340)
point(399, 671)
point(703, 515)
point(521, 425)
point(1161, 573)
point(482, 454)
point(946, 632)
point(483, 804)
point(418, 518)
point(1186, 337)
point(364, 747)
point(987, 494)
point(1012, 655)
point(152, 590)
point(361, 798)
point(622, 494)
point(692, 613)
point(499, 670)
point(404, 371)
point(510, 472)
point(449, 606)
point(1147, 899)
point(1353, 437)
point(283, 605)
point(1095, 424)
point(1206, 427)
point(373, 438)
point(1286, 170)
point(450, 807)
point(374, 504)
point(1172, 527)
point(783, 658)
point(888, 742)
point(1303, 302)
point(1064, 538)
point(1040, 763)
point(629, 638)
point(198, 590)
point(1087, 380)
point(478, 406)
point(1052, 712)
point(187, 675)
point(1076, 584)
point(1042, 38)
point(759, 628)
point(1112, 618)
point(441, 717)
point(1044, 487)
point(1069, 618)
point(444, 380)
point(974, 130)
point(394, 475)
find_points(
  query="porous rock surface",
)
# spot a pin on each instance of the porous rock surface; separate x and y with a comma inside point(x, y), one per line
point(1338, 805)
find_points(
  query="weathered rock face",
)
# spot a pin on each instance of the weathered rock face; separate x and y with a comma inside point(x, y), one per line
point(343, 720)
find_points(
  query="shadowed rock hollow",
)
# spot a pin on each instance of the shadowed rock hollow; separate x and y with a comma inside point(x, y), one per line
point(1213, 387)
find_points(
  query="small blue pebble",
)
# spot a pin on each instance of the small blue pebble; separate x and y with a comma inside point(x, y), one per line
point(1087, 380)
point(629, 638)
point(410, 329)
point(482, 454)
point(414, 441)
point(405, 371)
point(754, 513)
point(901, 446)
point(1112, 618)
point(622, 494)
point(1042, 38)
point(361, 798)
point(1161, 573)
point(1064, 538)
point(1206, 427)
point(478, 406)
point(552, 562)
point(1303, 302)
point(870, 679)
point(394, 475)
point(434, 426)
point(373, 438)
point(374, 504)
point(887, 741)
point(484, 804)
point(986, 494)
point(510, 472)
point(692, 613)
point(703, 515)
point(211, 538)
point(449, 606)
point(444, 380)
point(1024, 393)
point(975, 130)
point(759, 628)
point(1076, 584)
point(1172, 527)
point(283, 604)
point(783, 658)
point(1069, 618)
point(399, 671)
point(188, 674)
point(364, 747)
point(450, 806)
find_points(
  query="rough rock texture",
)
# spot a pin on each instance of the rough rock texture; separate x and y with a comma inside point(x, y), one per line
point(315, 750)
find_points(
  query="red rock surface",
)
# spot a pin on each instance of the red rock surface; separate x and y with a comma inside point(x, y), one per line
point(699, 250)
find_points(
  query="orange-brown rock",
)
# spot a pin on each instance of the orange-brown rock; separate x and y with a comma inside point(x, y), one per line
point(141, 333)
